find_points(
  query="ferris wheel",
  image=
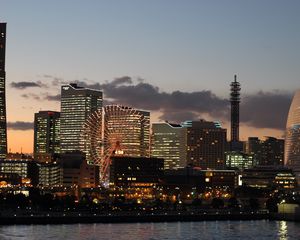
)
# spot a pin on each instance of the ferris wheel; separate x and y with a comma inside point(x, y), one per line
point(110, 131)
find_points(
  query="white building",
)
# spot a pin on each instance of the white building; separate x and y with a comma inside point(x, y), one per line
point(169, 143)
point(292, 139)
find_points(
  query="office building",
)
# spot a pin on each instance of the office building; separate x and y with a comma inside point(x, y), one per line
point(25, 168)
point(49, 174)
point(77, 103)
point(272, 151)
point(206, 143)
point(136, 177)
point(189, 182)
point(77, 172)
point(268, 151)
point(3, 130)
point(273, 177)
point(239, 160)
point(253, 147)
point(46, 132)
point(136, 171)
point(292, 136)
point(169, 142)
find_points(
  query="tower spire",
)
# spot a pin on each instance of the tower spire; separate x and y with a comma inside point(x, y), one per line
point(235, 88)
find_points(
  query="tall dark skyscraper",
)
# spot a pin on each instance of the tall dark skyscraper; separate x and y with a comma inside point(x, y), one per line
point(206, 142)
point(235, 88)
point(3, 137)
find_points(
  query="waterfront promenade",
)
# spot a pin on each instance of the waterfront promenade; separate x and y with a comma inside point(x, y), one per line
point(9, 217)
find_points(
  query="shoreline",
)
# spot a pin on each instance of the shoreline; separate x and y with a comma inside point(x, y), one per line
point(128, 218)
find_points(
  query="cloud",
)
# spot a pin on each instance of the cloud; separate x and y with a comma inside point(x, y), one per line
point(266, 109)
point(179, 116)
point(146, 96)
point(260, 110)
point(31, 95)
point(52, 97)
point(24, 85)
point(19, 125)
point(44, 96)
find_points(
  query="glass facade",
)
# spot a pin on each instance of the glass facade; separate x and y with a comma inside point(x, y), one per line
point(3, 131)
point(47, 132)
point(77, 103)
point(169, 143)
point(292, 137)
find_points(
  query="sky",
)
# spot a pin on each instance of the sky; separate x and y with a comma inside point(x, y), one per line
point(174, 58)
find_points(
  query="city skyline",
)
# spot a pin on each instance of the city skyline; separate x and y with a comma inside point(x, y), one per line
point(191, 56)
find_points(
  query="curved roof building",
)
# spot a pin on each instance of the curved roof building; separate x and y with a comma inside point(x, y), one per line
point(292, 139)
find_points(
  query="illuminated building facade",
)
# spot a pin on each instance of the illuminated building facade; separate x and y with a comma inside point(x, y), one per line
point(77, 103)
point(292, 136)
point(269, 177)
point(169, 142)
point(239, 160)
point(3, 130)
point(50, 174)
point(136, 177)
point(26, 169)
point(132, 171)
point(206, 142)
point(46, 132)
point(189, 182)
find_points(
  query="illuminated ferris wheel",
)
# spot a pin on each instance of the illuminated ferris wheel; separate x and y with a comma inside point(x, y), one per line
point(113, 130)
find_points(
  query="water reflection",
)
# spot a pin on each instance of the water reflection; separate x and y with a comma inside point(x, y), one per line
point(228, 230)
point(283, 230)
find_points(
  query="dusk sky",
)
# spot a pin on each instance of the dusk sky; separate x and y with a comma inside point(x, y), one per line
point(174, 58)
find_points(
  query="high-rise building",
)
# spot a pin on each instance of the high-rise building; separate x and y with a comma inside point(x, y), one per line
point(206, 143)
point(235, 143)
point(169, 142)
point(292, 136)
point(268, 151)
point(3, 133)
point(77, 104)
point(46, 132)
point(253, 147)
point(272, 151)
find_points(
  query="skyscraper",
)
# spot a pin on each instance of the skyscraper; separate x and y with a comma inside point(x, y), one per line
point(77, 103)
point(3, 133)
point(169, 143)
point(235, 145)
point(272, 151)
point(292, 137)
point(47, 132)
point(206, 142)
point(268, 151)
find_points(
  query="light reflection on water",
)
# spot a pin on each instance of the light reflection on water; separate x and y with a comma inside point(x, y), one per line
point(283, 230)
point(179, 230)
